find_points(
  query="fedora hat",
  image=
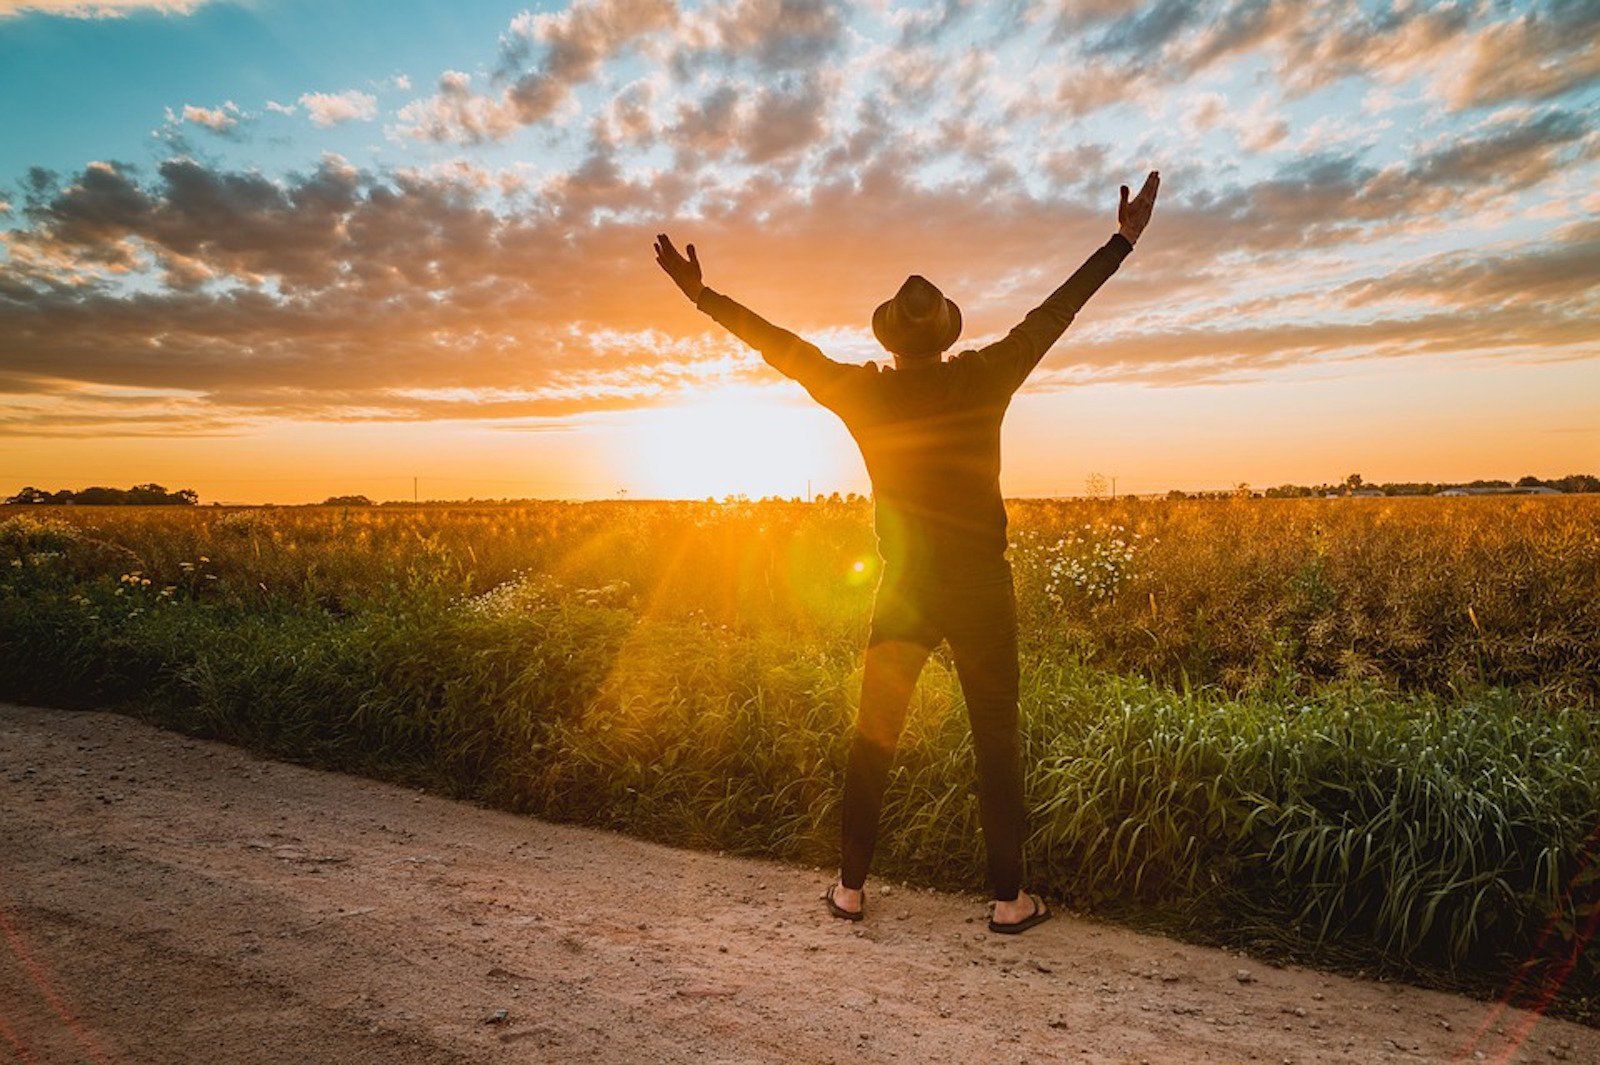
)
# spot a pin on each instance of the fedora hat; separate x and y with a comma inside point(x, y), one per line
point(919, 320)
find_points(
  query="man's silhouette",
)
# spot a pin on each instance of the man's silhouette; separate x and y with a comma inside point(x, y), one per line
point(929, 430)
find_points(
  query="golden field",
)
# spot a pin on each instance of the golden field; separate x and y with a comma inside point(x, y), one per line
point(1358, 727)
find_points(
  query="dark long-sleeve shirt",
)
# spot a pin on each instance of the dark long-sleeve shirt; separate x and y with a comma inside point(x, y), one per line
point(930, 434)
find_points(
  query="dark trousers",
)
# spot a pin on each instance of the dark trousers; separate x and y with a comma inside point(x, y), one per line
point(977, 617)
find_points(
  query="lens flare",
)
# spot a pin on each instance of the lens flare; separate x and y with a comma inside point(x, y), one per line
point(861, 572)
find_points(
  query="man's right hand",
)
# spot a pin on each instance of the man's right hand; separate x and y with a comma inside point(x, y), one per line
point(685, 273)
point(1133, 215)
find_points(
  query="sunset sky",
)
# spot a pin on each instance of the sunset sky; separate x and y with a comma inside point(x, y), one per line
point(281, 249)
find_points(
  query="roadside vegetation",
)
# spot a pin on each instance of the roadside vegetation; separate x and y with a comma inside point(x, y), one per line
point(1362, 729)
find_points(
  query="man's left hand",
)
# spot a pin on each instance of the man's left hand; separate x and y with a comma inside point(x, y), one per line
point(1133, 215)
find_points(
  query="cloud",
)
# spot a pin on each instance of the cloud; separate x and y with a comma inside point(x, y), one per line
point(774, 35)
point(782, 124)
point(565, 50)
point(1472, 55)
point(928, 25)
point(568, 49)
point(1550, 50)
point(1150, 27)
point(333, 108)
point(457, 113)
point(1256, 128)
point(627, 119)
point(219, 120)
point(345, 293)
point(1199, 355)
point(1564, 271)
point(757, 125)
point(88, 9)
point(574, 44)
point(1484, 165)
point(1324, 200)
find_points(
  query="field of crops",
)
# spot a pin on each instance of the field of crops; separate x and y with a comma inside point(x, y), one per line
point(1363, 726)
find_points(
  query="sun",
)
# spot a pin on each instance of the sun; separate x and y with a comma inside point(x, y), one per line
point(737, 441)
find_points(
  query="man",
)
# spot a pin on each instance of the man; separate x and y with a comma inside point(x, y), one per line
point(929, 430)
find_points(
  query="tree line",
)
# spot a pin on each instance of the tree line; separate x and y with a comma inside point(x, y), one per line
point(1573, 482)
point(1355, 485)
point(99, 496)
point(157, 495)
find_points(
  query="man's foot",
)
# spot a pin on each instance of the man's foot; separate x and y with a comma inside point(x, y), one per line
point(1018, 914)
point(845, 902)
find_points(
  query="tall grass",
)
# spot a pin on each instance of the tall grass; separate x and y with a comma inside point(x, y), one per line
point(1439, 595)
point(1427, 794)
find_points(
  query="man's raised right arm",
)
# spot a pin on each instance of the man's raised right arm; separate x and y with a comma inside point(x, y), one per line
point(785, 352)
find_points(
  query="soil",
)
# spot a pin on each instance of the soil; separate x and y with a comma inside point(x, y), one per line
point(165, 899)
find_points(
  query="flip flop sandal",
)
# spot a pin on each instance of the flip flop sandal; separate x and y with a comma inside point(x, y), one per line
point(838, 910)
point(1040, 914)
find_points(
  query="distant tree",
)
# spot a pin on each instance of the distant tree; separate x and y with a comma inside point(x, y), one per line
point(1352, 482)
point(101, 496)
point(1177, 493)
point(147, 495)
point(98, 496)
point(347, 501)
point(1529, 482)
point(1577, 482)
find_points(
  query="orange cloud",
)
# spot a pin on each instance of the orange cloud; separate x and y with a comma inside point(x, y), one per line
point(95, 8)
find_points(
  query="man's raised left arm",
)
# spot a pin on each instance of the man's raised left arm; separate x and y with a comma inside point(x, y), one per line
point(1010, 359)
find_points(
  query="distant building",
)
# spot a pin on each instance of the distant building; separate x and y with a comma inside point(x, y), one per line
point(1502, 490)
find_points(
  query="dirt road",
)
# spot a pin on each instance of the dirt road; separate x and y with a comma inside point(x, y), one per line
point(168, 900)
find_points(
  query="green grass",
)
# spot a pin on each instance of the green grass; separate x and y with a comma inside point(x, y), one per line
point(1445, 830)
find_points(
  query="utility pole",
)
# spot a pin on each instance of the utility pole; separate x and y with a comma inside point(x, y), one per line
point(1113, 486)
point(808, 489)
point(414, 498)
